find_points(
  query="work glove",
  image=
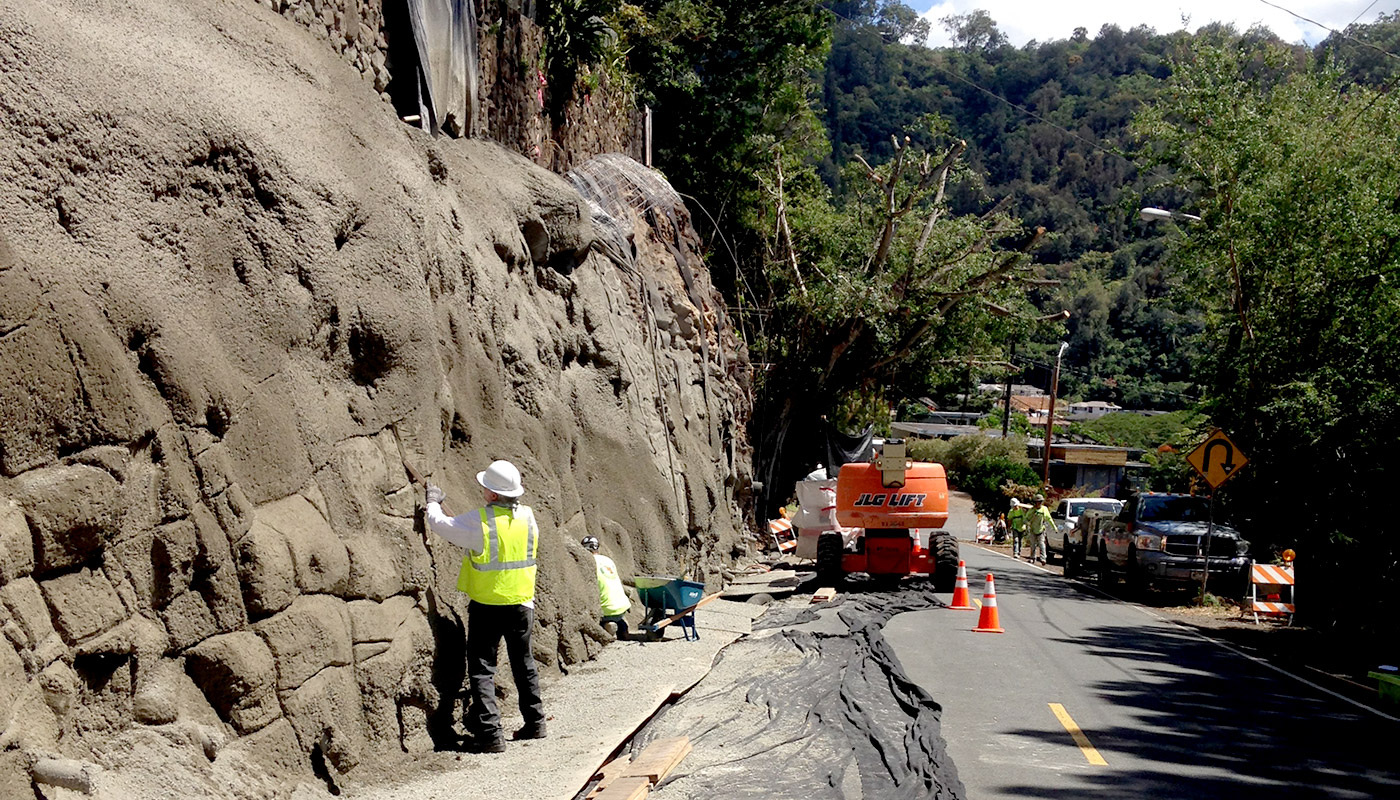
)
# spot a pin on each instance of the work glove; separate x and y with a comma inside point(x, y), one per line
point(435, 495)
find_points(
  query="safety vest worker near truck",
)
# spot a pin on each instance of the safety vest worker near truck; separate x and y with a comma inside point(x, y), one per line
point(1016, 518)
point(498, 574)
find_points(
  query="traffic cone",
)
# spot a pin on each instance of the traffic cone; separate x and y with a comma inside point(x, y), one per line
point(989, 622)
point(962, 598)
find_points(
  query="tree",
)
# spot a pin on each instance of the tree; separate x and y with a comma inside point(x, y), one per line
point(1296, 173)
point(872, 290)
point(974, 31)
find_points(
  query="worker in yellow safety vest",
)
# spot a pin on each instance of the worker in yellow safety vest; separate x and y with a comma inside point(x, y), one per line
point(612, 597)
point(1016, 518)
point(1038, 524)
point(501, 541)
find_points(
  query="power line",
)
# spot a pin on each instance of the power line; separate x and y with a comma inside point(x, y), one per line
point(1034, 115)
point(1022, 109)
point(1363, 12)
point(1346, 36)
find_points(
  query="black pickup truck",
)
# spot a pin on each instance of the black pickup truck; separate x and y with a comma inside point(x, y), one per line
point(1155, 541)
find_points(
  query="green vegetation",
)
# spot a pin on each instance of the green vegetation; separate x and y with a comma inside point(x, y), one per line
point(886, 219)
point(1122, 429)
point(982, 466)
point(1296, 172)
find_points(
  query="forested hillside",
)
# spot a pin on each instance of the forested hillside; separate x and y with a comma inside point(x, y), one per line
point(1046, 126)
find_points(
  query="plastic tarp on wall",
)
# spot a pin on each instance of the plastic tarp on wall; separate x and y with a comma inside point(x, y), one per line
point(444, 32)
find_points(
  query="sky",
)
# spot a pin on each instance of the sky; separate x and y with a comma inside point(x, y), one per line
point(1024, 20)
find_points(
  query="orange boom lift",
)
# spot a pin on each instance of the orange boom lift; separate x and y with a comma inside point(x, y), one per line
point(886, 501)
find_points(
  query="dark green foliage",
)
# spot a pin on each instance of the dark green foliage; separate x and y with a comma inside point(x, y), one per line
point(1131, 337)
point(1297, 175)
point(981, 466)
point(985, 479)
point(576, 35)
point(726, 81)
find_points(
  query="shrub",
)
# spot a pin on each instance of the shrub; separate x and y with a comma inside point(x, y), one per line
point(981, 466)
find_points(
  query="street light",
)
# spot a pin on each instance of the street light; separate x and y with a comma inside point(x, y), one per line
point(1050, 418)
point(1162, 215)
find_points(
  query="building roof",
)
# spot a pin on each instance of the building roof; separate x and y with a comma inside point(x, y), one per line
point(1024, 403)
point(934, 430)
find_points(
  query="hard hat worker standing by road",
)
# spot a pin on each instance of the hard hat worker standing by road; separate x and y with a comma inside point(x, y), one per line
point(1039, 525)
point(1016, 518)
point(611, 596)
point(498, 573)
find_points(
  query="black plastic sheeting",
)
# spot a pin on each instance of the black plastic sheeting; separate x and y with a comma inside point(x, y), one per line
point(444, 32)
point(811, 715)
point(845, 448)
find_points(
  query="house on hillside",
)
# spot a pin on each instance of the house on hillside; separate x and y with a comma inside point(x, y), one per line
point(1030, 405)
point(1093, 468)
point(1090, 409)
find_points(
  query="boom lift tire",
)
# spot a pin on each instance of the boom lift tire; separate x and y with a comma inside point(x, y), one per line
point(945, 560)
point(829, 548)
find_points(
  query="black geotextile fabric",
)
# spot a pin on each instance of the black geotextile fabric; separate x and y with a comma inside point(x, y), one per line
point(801, 714)
point(845, 448)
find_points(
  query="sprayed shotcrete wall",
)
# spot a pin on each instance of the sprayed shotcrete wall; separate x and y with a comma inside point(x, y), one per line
point(234, 289)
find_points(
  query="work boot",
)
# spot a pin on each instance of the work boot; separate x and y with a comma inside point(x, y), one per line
point(484, 744)
point(535, 731)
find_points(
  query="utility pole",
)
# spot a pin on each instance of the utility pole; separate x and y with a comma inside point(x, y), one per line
point(1050, 416)
point(1006, 399)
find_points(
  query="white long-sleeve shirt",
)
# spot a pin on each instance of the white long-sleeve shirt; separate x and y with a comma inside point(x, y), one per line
point(465, 531)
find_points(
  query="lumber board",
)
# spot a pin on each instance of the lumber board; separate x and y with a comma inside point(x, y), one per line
point(660, 758)
point(628, 787)
point(824, 595)
point(608, 773)
point(676, 616)
point(764, 577)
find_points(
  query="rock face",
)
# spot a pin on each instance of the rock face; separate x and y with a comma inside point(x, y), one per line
point(235, 293)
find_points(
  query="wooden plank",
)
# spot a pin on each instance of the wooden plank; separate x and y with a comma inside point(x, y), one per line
point(676, 616)
point(610, 772)
point(660, 758)
point(627, 787)
point(764, 577)
point(824, 595)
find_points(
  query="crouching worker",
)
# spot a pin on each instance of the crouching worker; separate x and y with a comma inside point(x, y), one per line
point(611, 596)
point(498, 574)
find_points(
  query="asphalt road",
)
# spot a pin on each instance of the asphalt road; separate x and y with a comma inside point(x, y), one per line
point(1160, 710)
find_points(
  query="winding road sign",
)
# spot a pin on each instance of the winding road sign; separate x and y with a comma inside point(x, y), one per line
point(1217, 459)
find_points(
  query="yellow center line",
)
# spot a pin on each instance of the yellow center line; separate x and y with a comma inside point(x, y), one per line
point(978, 602)
point(1080, 739)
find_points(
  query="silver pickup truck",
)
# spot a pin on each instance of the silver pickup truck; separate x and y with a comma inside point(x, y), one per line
point(1154, 541)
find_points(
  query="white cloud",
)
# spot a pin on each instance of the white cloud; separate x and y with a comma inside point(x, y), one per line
point(1024, 20)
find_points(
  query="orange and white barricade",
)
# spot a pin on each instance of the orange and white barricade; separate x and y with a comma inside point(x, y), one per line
point(783, 537)
point(1271, 583)
point(984, 530)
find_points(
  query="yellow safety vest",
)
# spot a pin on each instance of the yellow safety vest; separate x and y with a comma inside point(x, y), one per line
point(502, 574)
point(611, 596)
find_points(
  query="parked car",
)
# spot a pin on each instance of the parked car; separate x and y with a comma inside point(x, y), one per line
point(1067, 513)
point(1154, 541)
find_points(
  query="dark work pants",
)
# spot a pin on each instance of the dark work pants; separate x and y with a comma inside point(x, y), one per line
point(486, 626)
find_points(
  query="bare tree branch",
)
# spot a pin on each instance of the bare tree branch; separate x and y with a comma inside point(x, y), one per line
point(952, 156)
point(787, 232)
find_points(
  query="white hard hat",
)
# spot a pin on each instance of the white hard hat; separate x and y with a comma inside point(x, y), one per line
point(502, 478)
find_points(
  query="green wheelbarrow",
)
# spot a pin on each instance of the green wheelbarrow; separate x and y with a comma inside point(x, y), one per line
point(669, 599)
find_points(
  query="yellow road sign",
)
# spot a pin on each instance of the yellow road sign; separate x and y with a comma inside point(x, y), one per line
point(1217, 459)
